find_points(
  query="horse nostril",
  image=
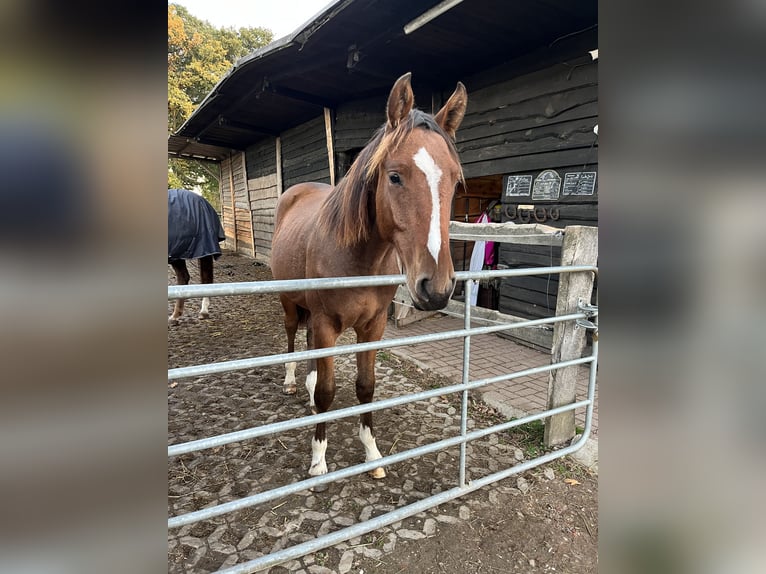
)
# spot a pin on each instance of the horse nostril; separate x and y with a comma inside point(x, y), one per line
point(423, 288)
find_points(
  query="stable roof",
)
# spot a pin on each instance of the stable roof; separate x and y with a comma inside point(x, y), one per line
point(355, 49)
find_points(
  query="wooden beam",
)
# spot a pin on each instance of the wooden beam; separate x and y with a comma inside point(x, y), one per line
point(580, 248)
point(279, 166)
point(237, 125)
point(298, 95)
point(530, 234)
point(249, 209)
point(328, 137)
point(233, 210)
point(220, 186)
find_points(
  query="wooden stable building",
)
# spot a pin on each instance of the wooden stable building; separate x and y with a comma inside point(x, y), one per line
point(301, 109)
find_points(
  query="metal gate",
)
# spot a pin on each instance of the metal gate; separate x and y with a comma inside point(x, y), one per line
point(582, 316)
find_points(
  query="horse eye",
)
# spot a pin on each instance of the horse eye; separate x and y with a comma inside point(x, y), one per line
point(395, 179)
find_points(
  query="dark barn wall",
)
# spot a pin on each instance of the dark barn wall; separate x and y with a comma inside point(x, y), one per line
point(536, 121)
point(356, 122)
point(261, 159)
point(523, 126)
point(354, 125)
point(304, 154)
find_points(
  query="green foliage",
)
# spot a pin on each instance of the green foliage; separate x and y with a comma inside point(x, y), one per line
point(188, 174)
point(199, 55)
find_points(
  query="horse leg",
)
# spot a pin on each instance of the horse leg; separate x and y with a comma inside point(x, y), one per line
point(182, 278)
point(365, 388)
point(206, 277)
point(292, 319)
point(311, 376)
point(324, 334)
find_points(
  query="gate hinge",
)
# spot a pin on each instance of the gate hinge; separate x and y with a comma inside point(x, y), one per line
point(590, 311)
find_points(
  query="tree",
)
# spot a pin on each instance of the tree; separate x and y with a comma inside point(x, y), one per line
point(199, 55)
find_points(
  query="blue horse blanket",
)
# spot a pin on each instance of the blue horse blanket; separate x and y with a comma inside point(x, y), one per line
point(194, 229)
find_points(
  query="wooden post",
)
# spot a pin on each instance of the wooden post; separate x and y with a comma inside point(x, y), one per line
point(233, 207)
point(249, 202)
point(279, 166)
point(220, 186)
point(580, 248)
point(328, 137)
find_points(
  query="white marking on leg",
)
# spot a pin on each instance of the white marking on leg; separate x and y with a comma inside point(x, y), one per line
point(370, 447)
point(311, 384)
point(290, 377)
point(433, 176)
point(203, 312)
point(318, 463)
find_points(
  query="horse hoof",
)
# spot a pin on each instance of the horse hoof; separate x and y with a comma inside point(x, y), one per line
point(172, 321)
point(204, 315)
point(290, 390)
point(318, 469)
point(378, 473)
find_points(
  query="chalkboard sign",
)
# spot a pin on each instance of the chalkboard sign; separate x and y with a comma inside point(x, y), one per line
point(518, 185)
point(547, 186)
point(580, 183)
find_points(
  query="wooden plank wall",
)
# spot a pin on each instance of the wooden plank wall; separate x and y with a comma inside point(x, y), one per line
point(356, 122)
point(262, 186)
point(525, 125)
point(304, 154)
point(532, 122)
point(244, 224)
point(263, 202)
point(261, 158)
point(227, 213)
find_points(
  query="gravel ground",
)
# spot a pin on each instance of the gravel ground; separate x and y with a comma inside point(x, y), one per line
point(543, 520)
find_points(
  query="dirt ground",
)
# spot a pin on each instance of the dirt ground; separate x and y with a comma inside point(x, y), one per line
point(544, 520)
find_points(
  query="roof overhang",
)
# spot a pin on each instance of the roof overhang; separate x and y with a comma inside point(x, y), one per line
point(186, 148)
point(355, 49)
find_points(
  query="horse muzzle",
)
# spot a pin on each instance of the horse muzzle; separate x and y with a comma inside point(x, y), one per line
point(427, 298)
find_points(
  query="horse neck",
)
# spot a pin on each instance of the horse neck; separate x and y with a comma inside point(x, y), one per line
point(377, 252)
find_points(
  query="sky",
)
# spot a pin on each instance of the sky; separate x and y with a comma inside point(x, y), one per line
point(280, 16)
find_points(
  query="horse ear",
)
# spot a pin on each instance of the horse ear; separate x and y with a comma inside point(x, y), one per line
point(400, 101)
point(451, 115)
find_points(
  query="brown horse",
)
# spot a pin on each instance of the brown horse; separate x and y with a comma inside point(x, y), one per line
point(391, 211)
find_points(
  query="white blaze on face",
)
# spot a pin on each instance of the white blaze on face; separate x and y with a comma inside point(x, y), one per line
point(433, 176)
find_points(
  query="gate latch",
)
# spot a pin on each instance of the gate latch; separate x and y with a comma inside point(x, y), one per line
point(590, 311)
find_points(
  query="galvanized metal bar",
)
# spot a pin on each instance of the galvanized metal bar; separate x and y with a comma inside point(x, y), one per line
point(465, 385)
point(468, 290)
point(283, 286)
point(260, 498)
point(280, 286)
point(255, 362)
point(282, 426)
point(592, 383)
point(391, 517)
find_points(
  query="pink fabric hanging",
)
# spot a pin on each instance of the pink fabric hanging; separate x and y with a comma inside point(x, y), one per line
point(489, 246)
point(483, 254)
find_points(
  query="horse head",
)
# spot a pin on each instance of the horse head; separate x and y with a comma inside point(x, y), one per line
point(417, 174)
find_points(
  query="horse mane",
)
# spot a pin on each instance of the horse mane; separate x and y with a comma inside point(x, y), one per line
point(349, 212)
